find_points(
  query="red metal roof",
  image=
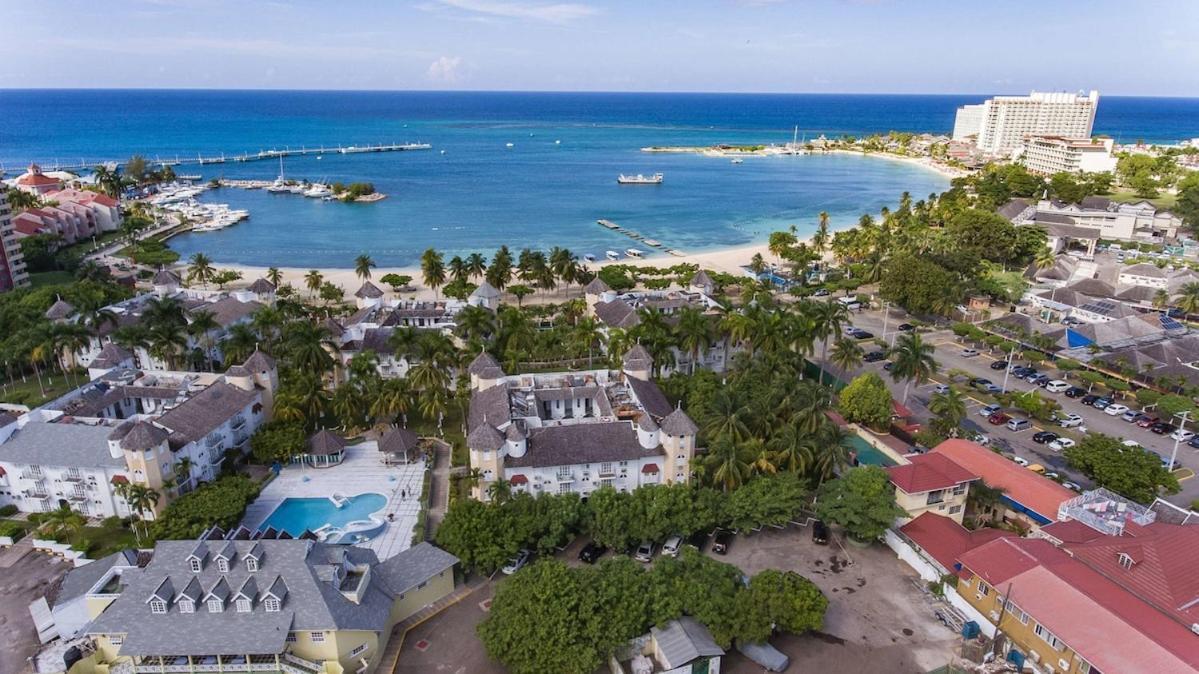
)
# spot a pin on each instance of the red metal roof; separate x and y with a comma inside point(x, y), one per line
point(1071, 531)
point(1027, 488)
point(927, 472)
point(945, 540)
point(119, 479)
point(649, 468)
point(36, 179)
point(518, 479)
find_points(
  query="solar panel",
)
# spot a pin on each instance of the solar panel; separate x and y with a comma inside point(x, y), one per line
point(1169, 323)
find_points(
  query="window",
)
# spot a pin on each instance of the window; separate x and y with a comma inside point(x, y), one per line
point(244, 605)
point(358, 650)
point(215, 605)
point(222, 565)
point(1125, 560)
point(317, 637)
point(1048, 637)
point(935, 497)
point(422, 585)
point(1017, 613)
point(606, 468)
point(195, 564)
point(563, 487)
point(186, 606)
point(158, 606)
point(959, 490)
point(983, 589)
point(291, 637)
point(116, 639)
point(563, 472)
point(1084, 667)
point(251, 564)
point(953, 510)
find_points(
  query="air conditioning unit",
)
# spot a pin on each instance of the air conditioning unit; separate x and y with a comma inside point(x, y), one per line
point(994, 616)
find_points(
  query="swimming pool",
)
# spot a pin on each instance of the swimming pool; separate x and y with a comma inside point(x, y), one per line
point(867, 454)
point(339, 519)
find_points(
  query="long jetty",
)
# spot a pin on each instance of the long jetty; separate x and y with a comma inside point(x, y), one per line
point(273, 153)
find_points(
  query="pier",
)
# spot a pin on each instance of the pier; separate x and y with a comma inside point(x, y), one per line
point(637, 236)
point(273, 153)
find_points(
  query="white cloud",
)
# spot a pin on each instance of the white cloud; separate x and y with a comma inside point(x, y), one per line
point(562, 12)
point(446, 69)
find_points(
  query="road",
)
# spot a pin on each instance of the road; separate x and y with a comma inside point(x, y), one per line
point(949, 356)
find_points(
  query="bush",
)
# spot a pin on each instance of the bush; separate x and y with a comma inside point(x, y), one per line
point(13, 530)
point(221, 503)
point(8, 510)
point(867, 400)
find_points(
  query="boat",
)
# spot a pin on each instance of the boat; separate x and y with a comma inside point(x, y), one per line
point(557, 142)
point(608, 223)
point(639, 179)
point(738, 160)
point(589, 258)
point(280, 184)
point(509, 145)
point(633, 252)
point(318, 190)
point(653, 242)
point(612, 255)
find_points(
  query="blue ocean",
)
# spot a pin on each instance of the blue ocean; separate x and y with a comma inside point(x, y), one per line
point(473, 191)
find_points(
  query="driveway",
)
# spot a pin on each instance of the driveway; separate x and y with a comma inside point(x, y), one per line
point(25, 576)
point(447, 642)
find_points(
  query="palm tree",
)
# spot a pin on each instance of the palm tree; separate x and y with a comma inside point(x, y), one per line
point(499, 274)
point(240, 342)
point(391, 400)
point(913, 361)
point(459, 271)
point(307, 347)
point(587, 334)
point(499, 492)
point(728, 464)
point(1045, 258)
point(109, 180)
point(829, 318)
point(203, 323)
point(274, 276)
point(950, 409)
point(694, 333)
point(20, 199)
point(313, 280)
point(69, 339)
point(62, 521)
point(1161, 299)
point(183, 472)
point(476, 265)
point(432, 268)
point(726, 419)
point(846, 355)
point(141, 500)
point(761, 457)
point(820, 239)
point(793, 449)
point(1188, 299)
point(347, 407)
point(200, 269)
point(362, 266)
point(167, 341)
point(475, 323)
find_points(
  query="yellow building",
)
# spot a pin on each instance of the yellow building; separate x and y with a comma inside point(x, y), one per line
point(294, 606)
point(931, 483)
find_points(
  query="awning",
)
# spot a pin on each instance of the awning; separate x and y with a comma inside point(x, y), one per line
point(119, 479)
point(649, 468)
point(518, 479)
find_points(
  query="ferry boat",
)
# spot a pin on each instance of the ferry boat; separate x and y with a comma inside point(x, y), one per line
point(633, 252)
point(612, 255)
point(639, 179)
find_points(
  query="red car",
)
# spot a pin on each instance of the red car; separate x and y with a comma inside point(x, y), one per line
point(1147, 421)
point(998, 418)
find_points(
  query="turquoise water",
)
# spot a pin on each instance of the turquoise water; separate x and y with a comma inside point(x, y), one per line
point(867, 454)
point(297, 515)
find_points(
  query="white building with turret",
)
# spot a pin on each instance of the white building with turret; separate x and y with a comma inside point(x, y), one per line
point(576, 431)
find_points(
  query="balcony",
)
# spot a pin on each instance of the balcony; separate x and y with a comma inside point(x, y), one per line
point(38, 491)
point(209, 663)
point(238, 423)
point(73, 476)
point(77, 496)
point(34, 473)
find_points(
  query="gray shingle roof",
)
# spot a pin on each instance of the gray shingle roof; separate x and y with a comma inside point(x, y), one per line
point(166, 277)
point(485, 436)
point(701, 279)
point(638, 358)
point(204, 412)
point(398, 440)
point(678, 423)
point(617, 314)
point(515, 433)
point(485, 291)
point(491, 405)
point(414, 566)
point(1144, 269)
point(684, 640)
point(59, 444)
point(111, 356)
point(650, 397)
point(142, 436)
point(1095, 203)
point(325, 442)
point(228, 310)
point(259, 362)
point(646, 423)
point(81, 578)
point(596, 286)
point(60, 309)
point(369, 290)
point(1013, 208)
point(481, 362)
point(262, 287)
point(581, 443)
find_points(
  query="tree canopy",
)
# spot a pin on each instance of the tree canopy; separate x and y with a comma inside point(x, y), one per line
point(1132, 472)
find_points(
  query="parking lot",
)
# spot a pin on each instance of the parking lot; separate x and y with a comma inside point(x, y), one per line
point(949, 356)
point(25, 575)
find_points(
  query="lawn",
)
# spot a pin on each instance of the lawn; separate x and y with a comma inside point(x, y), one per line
point(42, 279)
point(29, 393)
point(99, 541)
point(451, 427)
point(1163, 200)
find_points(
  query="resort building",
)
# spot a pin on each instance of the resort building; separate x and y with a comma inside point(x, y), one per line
point(12, 262)
point(931, 483)
point(1001, 124)
point(167, 431)
point(1095, 218)
point(377, 319)
point(1047, 155)
point(576, 431)
point(35, 182)
point(225, 604)
point(625, 311)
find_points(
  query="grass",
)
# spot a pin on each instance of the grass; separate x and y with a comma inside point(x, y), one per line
point(451, 427)
point(29, 393)
point(42, 279)
point(112, 535)
point(1163, 200)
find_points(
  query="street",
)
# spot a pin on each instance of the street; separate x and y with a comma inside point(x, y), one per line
point(949, 357)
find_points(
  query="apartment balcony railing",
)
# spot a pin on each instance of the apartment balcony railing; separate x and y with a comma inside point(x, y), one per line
point(213, 663)
point(32, 474)
point(36, 491)
point(238, 423)
point(73, 476)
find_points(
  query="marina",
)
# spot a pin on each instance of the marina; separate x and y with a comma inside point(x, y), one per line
point(636, 236)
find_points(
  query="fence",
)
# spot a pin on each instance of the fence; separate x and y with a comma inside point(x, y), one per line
point(932, 572)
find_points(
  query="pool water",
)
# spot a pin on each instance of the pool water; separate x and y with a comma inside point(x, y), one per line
point(295, 515)
point(867, 454)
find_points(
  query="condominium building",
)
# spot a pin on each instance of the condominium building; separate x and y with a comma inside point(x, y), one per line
point(167, 431)
point(12, 262)
point(1047, 155)
point(576, 431)
point(230, 604)
point(1001, 124)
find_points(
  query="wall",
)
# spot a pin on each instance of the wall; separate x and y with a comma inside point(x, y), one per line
point(414, 600)
point(930, 570)
point(915, 504)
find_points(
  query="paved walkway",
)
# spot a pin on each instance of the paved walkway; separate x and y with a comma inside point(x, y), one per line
point(439, 488)
point(395, 644)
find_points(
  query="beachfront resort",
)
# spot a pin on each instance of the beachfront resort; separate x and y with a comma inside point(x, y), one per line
point(956, 433)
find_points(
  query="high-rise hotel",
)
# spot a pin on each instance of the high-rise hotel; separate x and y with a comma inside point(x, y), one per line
point(1001, 124)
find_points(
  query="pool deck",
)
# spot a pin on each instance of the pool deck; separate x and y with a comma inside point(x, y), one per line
point(361, 471)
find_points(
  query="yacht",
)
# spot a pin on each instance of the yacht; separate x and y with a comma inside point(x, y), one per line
point(280, 184)
point(738, 160)
point(639, 179)
point(318, 190)
point(612, 255)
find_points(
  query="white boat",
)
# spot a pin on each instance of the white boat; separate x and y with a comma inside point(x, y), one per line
point(738, 160)
point(318, 190)
point(633, 252)
point(639, 179)
point(589, 258)
point(653, 242)
point(280, 184)
point(509, 145)
point(612, 255)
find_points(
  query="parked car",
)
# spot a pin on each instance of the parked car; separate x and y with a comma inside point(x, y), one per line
point(698, 540)
point(1037, 378)
point(1161, 428)
point(1072, 486)
point(860, 334)
point(1194, 442)
point(721, 541)
point(992, 388)
point(906, 327)
point(1061, 443)
point(888, 365)
point(672, 545)
point(1044, 437)
point(980, 383)
point(988, 410)
point(1017, 425)
point(1131, 415)
point(1102, 403)
point(820, 533)
point(1070, 421)
point(1131, 444)
point(874, 356)
point(821, 292)
point(999, 365)
point(1182, 435)
point(1036, 468)
point(1022, 371)
point(1166, 463)
point(1075, 392)
point(1020, 461)
point(998, 418)
point(969, 353)
point(1115, 410)
point(1057, 386)
point(1147, 420)
point(645, 551)
point(940, 388)
point(592, 552)
point(1089, 399)
point(517, 563)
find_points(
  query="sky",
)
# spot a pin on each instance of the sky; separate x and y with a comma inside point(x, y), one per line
point(1120, 47)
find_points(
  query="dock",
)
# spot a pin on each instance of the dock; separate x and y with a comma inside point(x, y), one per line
point(222, 158)
point(637, 236)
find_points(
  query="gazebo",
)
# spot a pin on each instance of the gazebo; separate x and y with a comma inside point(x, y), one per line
point(397, 445)
point(325, 448)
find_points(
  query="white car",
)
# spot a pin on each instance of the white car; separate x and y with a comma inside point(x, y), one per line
point(940, 388)
point(1070, 421)
point(1056, 386)
point(1061, 443)
point(1115, 410)
point(1020, 462)
point(671, 547)
point(969, 353)
point(1133, 444)
point(1181, 435)
point(517, 563)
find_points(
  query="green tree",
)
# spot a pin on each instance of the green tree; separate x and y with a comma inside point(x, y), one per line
point(862, 501)
point(914, 362)
point(362, 266)
point(396, 281)
point(1132, 472)
point(867, 400)
point(782, 600)
point(432, 268)
point(200, 269)
point(846, 355)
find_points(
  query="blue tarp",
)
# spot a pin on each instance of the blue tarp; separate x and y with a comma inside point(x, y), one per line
point(1076, 340)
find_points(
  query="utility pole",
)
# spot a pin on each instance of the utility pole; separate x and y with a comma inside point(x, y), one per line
point(1178, 439)
point(886, 315)
point(1008, 370)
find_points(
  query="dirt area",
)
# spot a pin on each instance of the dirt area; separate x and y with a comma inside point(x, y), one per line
point(24, 576)
point(877, 620)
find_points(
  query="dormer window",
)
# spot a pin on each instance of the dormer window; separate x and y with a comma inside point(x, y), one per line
point(1125, 560)
point(185, 606)
point(271, 604)
point(195, 564)
point(215, 605)
point(158, 606)
point(251, 564)
point(222, 565)
point(243, 605)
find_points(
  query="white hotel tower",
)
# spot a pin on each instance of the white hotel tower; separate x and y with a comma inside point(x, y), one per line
point(1001, 123)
